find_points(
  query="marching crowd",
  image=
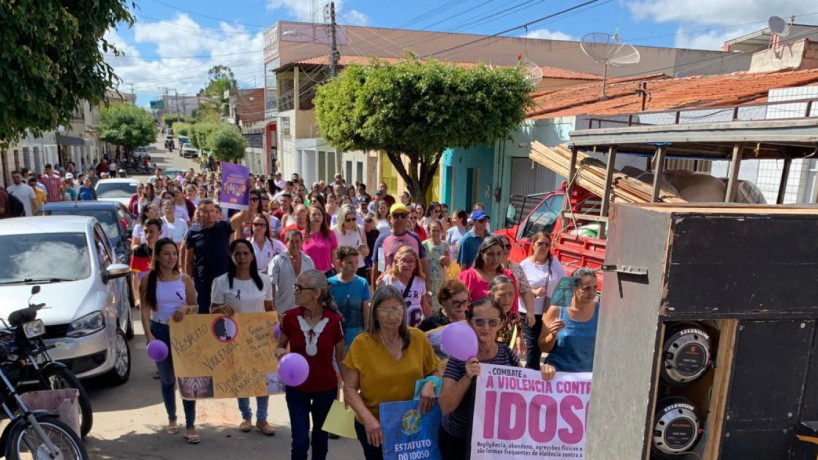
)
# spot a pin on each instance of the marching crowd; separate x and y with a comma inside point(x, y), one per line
point(357, 282)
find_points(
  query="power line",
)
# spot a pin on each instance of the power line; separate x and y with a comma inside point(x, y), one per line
point(207, 16)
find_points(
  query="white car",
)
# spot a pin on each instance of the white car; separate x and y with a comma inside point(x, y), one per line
point(119, 190)
point(85, 291)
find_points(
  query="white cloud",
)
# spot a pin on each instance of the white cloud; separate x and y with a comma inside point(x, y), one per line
point(707, 40)
point(549, 35)
point(302, 10)
point(354, 18)
point(716, 12)
point(177, 53)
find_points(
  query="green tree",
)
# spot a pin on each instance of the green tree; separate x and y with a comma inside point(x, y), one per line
point(215, 105)
point(126, 125)
point(182, 129)
point(419, 108)
point(52, 59)
point(172, 118)
point(227, 143)
point(200, 134)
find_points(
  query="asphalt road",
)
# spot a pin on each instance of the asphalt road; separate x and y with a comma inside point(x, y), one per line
point(130, 420)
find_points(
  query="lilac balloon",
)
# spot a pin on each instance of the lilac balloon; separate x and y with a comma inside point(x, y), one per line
point(459, 341)
point(277, 331)
point(157, 350)
point(293, 369)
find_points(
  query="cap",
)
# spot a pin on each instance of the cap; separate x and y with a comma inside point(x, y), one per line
point(398, 207)
point(69, 176)
point(478, 215)
point(364, 200)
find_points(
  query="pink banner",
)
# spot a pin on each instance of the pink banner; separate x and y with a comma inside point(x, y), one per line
point(518, 415)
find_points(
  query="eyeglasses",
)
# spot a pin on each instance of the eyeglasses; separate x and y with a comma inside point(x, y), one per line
point(460, 304)
point(298, 288)
point(483, 220)
point(400, 216)
point(349, 220)
point(259, 224)
point(391, 311)
point(480, 322)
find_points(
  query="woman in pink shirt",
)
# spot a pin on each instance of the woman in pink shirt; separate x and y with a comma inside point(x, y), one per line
point(320, 242)
point(487, 265)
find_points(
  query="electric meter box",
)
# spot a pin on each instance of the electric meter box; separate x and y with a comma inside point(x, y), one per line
point(715, 306)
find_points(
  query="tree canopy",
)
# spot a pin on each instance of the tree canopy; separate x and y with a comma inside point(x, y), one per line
point(126, 125)
point(53, 59)
point(227, 143)
point(215, 106)
point(419, 108)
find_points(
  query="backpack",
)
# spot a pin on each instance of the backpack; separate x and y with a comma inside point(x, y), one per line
point(16, 208)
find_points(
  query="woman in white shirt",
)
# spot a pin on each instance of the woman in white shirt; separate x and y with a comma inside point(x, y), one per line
point(348, 233)
point(265, 247)
point(176, 228)
point(544, 272)
point(151, 211)
point(243, 290)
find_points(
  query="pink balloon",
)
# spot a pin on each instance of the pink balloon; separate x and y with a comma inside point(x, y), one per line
point(293, 369)
point(459, 341)
point(277, 331)
point(157, 350)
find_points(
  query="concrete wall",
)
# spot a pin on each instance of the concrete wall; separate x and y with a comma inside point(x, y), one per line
point(467, 175)
point(802, 54)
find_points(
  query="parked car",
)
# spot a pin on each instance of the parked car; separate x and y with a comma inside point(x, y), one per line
point(117, 190)
point(82, 284)
point(172, 173)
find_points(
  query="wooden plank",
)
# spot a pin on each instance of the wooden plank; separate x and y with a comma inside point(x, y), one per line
point(658, 169)
point(606, 198)
point(721, 386)
point(732, 181)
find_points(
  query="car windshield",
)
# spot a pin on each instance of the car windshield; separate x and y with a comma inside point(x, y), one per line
point(44, 257)
point(106, 217)
point(115, 189)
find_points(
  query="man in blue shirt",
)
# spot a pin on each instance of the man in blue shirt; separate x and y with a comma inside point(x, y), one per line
point(470, 242)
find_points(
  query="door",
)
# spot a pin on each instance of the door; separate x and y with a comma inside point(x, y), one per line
point(116, 305)
point(529, 177)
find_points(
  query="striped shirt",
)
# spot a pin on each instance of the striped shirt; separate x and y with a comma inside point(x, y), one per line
point(458, 423)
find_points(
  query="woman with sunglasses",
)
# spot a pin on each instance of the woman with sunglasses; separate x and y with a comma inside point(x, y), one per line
point(569, 333)
point(243, 290)
point(486, 266)
point(383, 365)
point(245, 217)
point(453, 298)
point(265, 247)
point(348, 233)
point(543, 271)
point(314, 331)
point(457, 396)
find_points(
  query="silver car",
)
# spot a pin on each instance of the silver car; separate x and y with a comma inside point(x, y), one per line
point(82, 285)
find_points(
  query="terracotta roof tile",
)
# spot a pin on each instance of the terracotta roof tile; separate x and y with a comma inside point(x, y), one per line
point(666, 93)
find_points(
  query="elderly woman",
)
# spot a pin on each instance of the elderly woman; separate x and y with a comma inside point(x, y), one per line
point(501, 289)
point(285, 268)
point(488, 263)
point(569, 333)
point(457, 397)
point(314, 331)
point(453, 297)
point(383, 365)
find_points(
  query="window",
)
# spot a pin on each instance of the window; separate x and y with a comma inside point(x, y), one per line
point(101, 243)
point(330, 165)
point(348, 175)
point(50, 257)
point(542, 218)
point(360, 172)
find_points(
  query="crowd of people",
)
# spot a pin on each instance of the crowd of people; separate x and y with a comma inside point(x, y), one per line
point(357, 282)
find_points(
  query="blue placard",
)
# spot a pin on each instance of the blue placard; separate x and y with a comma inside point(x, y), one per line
point(407, 433)
point(563, 292)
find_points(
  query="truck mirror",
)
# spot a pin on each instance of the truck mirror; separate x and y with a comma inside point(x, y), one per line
point(511, 214)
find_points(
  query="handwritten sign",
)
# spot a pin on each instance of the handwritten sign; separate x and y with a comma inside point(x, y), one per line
point(216, 356)
point(234, 186)
point(519, 415)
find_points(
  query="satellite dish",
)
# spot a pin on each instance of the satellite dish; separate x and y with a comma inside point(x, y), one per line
point(779, 26)
point(607, 49)
point(532, 70)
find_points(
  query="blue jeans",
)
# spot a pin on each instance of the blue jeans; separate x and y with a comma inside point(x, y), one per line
point(370, 452)
point(301, 404)
point(261, 408)
point(167, 380)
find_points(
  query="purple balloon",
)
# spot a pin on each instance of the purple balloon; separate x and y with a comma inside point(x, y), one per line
point(293, 369)
point(277, 331)
point(157, 350)
point(459, 341)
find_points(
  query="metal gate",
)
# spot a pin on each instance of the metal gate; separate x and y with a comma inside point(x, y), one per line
point(529, 177)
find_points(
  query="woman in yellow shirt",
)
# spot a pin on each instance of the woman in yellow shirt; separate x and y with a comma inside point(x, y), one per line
point(383, 365)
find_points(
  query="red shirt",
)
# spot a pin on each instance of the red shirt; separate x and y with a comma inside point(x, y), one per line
point(322, 374)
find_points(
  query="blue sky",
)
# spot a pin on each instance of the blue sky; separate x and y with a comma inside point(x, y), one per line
point(174, 42)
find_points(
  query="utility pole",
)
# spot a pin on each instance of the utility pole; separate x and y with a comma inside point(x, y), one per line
point(177, 102)
point(334, 55)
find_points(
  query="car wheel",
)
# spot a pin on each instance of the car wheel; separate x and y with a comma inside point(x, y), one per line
point(121, 371)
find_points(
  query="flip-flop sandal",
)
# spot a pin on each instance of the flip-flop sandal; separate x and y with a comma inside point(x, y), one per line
point(192, 438)
point(173, 429)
